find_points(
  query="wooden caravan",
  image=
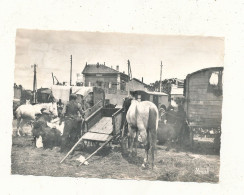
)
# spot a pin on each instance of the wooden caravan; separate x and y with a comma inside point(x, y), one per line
point(203, 105)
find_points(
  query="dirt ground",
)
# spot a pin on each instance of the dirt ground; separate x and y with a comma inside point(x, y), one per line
point(200, 165)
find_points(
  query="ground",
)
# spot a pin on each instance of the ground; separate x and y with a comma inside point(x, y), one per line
point(201, 165)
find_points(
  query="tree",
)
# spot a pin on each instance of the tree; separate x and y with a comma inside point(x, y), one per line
point(166, 86)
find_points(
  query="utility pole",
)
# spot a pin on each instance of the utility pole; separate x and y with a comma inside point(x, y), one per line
point(160, 84)
point(129, 77)
point(70, 70)
point(34, 83)
point(129, 70)
point(53, 78)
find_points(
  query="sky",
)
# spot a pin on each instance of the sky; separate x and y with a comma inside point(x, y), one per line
point(51, 50)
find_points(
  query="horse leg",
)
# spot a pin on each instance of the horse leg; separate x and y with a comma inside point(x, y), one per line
point(131, 137)
point(145, 160)
point(136, 143)
point(18, 126)
point(24, 122)
point(145, 140)
point(152, 141)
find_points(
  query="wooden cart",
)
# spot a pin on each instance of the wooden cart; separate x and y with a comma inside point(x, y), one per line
point(102, 126)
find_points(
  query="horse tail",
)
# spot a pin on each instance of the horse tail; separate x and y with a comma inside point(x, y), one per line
point(152, 119)
point(152, 130)
point(136, 115)
point(152, 126)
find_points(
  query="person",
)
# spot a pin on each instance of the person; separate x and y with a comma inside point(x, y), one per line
point(60, 106)
point(73, 115)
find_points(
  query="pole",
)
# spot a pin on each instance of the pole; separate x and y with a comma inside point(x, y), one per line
point(129, 70)
point(34, 84)
point(70, 70)
point(104, 144)
point(128, 77)
point(160, 84)
point(53, 78)
point(74, 145)
point(71, 149)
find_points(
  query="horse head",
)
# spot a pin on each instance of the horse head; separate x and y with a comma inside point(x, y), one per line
point(126, 104)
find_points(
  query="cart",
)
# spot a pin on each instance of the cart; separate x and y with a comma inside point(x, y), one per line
point(102, 126)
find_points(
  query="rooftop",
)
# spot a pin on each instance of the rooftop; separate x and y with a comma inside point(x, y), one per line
point(139, 81)
point(99, 69)
point(219, 68)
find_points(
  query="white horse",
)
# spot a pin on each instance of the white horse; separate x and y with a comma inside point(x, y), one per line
point(28, 112)
point(142, 118)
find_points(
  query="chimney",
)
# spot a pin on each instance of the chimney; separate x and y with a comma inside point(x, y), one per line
point(142, 79)
point(117, 68)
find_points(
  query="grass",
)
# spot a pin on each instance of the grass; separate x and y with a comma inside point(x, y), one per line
point(173, 165)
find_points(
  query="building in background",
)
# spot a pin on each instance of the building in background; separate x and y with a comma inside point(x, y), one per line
point(136, 84)
point(17, 92)
point(100, 75)
point(176, 92)
point(116, 84)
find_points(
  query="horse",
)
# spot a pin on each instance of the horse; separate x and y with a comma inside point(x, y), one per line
point(28, 112)
point(142, 118)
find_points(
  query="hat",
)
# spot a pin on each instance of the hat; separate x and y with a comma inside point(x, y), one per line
point(73, 96)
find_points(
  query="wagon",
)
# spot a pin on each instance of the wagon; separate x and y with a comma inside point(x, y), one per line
point(100, 125)
point(203, 105)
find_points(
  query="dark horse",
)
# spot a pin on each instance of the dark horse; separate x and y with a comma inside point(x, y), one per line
point(142, 119)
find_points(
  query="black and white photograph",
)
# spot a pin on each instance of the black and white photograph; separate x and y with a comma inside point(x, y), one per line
point(116, 105)
point(121, 97)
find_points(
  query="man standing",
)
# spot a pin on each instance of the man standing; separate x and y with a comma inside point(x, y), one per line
point(72, 114)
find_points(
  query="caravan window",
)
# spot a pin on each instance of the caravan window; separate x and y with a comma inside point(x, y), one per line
point(215, 83)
